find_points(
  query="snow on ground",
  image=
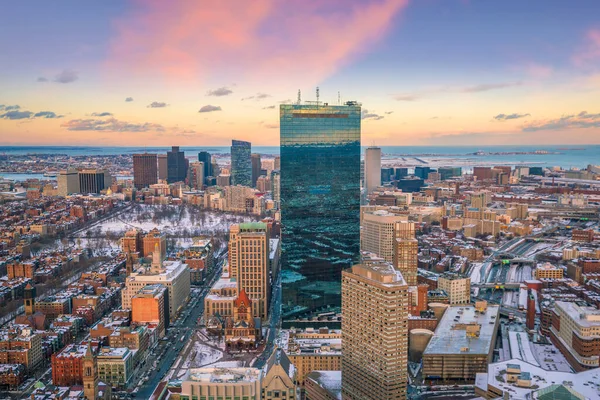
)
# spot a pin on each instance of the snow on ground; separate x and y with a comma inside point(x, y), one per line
point(228, 364)
point(168, 219)
point(204, 355)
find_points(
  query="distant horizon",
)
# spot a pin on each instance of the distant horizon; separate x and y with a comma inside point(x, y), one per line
point(566, 145)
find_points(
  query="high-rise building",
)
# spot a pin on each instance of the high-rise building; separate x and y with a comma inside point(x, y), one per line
point(277, 163)
point(94, 180)
point(320, 202)
point(206, 158)
point(276, 186)
point(249, 263)
point(68, 182)
point(176, 165)
point(196, 175)
point(145, 170)
point(151, 306)
point(162, 166)
point(241, 164)
point(406, 251)
point(374, 332)
point(378, 233)
point(256, 167)
point(372, 168)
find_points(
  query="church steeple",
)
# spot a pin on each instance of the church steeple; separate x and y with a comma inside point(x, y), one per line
point(90, 374)
point(29, 297)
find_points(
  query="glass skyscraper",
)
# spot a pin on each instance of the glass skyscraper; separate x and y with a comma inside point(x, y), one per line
point(241, 165)
point(320, 204)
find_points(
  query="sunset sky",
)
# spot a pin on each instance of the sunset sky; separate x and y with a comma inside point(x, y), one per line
point(198, 72)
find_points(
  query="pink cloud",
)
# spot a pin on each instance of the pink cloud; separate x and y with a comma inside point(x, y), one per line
point(538, 71)
point(260, 39)
point(591, 51)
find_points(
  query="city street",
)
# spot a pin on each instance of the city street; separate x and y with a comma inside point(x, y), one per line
point(159, 362)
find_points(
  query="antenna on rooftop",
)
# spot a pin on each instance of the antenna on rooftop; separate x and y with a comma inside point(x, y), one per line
point(317, 95)
point(339, 99)
point(299, 97)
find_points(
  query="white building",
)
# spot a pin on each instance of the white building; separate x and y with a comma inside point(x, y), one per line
point(372, 168)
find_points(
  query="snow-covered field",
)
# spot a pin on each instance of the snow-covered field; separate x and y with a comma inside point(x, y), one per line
point(172, 220)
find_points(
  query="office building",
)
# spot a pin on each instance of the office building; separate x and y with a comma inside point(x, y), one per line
point(372, 168)
point(162, 166)
point(423, 172)
point(405, 251)
point(94, 180)
point(174, 275)
point(320, 203)
point(221, 383)
point(323, 385)
point(206, 158)
point(115, 366)
point(151, 306)
point(223, 180)
point(153, 241)
point(241, 163)
point(517, 379)
point(256, 167)
point(312, 349)
point(196, 176)
point(449, 172)
point(410, 184)
point(387, 174)
point(68, 182)
point(458, 288)
point(463, 343)
point(249, 263)
point(575, 330)
point(548, 271)
point(277, 163)
point(378, 233)
point(374, 333)
point(276, 187)
point(145, 170)
point(176, 165)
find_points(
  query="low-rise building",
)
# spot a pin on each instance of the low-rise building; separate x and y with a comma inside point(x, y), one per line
point(463, 343)
point(458, 288)
point(575, 330)
point(312, 349)
point(115, 366)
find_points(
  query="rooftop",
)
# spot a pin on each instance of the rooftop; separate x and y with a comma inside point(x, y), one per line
point(451, 333)
point(224, 375)
point(583, 316)
point(586, 383)
point(331, 381)
point(381, 272)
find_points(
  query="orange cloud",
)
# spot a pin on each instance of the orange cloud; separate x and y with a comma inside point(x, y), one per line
point(258, 39)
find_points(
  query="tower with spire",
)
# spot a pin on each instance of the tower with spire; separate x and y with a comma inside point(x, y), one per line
point(90, 374)
point(29, 296)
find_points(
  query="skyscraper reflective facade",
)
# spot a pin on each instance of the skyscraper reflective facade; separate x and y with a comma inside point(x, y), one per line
point(320, 203)
point(176, 165)
point(241, 165)
point(206, 158)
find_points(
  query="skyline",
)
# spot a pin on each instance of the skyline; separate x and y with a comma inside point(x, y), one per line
point(427, 73)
